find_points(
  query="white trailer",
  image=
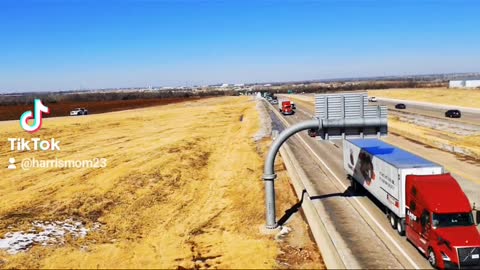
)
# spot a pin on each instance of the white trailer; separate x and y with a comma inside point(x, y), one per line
point(464, 84)
point(382, 170)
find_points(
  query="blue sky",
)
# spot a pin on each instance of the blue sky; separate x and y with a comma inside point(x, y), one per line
point(55, 45)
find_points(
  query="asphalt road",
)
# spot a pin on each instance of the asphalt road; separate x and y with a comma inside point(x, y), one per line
point(470, 117)
point(363, 234)
point(470, 186)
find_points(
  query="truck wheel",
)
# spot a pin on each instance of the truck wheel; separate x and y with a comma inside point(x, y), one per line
point(401, 226)
point(432, 259)
point(353, 185)
point(393, 220)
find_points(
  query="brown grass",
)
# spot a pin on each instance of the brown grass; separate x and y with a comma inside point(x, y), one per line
point(182, 189)
point(435, 138)
point(457, 97)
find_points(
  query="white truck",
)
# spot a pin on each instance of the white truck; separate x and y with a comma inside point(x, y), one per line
point(382, 170)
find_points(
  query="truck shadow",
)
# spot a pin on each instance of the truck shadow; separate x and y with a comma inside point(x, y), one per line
point(292, 210)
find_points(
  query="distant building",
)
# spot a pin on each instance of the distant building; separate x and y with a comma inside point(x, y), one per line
point(225, 85)
point(464, 84)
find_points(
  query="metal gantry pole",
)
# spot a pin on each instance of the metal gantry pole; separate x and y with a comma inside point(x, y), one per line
point(269, 171)
point(355, 120)
point(378, 124)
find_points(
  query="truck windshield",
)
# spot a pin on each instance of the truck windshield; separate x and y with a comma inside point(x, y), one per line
point(452, 220)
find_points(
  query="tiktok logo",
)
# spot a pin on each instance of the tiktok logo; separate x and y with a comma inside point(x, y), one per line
point(38, 109)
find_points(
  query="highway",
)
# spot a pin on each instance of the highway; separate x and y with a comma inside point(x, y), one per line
point(438, 111)
point(465, 171)
point(358, 226)
point(469, 115)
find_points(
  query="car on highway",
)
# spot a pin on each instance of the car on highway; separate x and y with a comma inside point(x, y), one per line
point(313, 132)
point(453, 114)
point(274, 101)
point(78, 111)
point(372, 99)
point(400, 106)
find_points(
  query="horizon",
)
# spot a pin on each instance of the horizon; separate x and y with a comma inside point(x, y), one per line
point(460, 76)
point(63, 46)
point(456, 75)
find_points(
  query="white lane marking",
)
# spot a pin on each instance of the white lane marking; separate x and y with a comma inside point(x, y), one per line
point(404, 253)
point(304, 112)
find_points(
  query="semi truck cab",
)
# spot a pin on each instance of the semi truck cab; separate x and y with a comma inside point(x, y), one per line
point(285, 107)
point(439, 222)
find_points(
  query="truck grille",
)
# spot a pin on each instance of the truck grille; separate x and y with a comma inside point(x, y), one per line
point(469, 256)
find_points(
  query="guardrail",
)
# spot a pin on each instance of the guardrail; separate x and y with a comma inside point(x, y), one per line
point(318, 228)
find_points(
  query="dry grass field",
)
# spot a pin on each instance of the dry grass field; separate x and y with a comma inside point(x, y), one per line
point(470, 145)
point(182, 189)
point(456, 97)
point(432, 137)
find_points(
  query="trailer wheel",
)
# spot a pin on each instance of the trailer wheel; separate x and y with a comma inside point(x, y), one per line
point(353, 185)
point(432, 259)
point(401, 226)
point(393, 220)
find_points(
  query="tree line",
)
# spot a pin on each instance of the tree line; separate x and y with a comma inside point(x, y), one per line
point(49, 97)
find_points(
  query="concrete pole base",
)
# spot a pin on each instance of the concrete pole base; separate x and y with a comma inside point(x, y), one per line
point(269, 230)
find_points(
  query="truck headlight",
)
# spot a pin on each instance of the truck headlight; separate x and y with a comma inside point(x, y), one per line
point(445, 256)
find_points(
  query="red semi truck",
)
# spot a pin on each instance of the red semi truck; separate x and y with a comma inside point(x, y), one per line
point(285, 107)
point(421, 201)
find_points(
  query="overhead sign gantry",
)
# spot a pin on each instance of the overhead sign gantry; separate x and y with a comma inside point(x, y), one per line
point(337, 116)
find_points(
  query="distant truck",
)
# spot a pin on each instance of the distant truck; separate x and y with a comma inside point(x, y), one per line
point(421, 201)
point(285, 107)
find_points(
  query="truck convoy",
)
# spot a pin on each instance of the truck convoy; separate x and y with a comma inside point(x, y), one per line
point(421, 201)
point(285, 107)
